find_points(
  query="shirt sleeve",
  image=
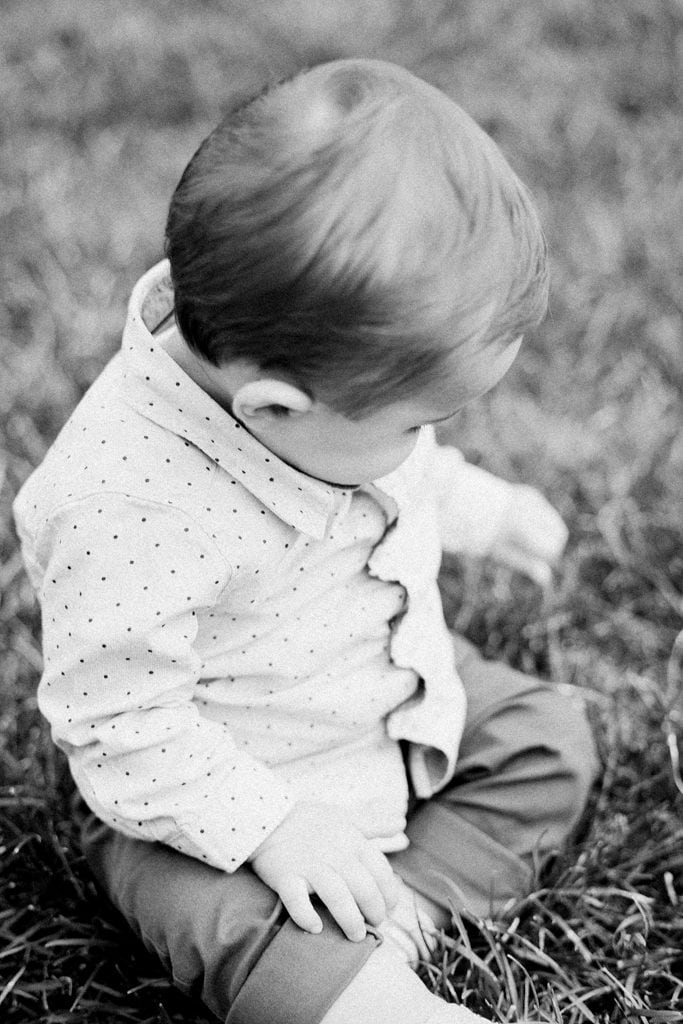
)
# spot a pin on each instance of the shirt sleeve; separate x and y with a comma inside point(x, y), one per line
point(122, 583)
point(471, 502)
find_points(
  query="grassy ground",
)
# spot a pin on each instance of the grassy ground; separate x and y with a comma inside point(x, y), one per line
point(102, 103)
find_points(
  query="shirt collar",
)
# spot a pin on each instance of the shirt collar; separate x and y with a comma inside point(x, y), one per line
point(159, 389)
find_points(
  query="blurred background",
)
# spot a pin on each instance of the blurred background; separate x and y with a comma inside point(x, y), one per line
point(102, 104)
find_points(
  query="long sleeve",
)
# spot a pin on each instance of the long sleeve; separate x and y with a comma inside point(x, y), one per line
point(122, 582)
point(471, 502)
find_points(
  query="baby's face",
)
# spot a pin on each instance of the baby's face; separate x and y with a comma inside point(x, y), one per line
point(325, 444)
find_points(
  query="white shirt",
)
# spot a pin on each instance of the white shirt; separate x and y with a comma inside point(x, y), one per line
point(224, 635)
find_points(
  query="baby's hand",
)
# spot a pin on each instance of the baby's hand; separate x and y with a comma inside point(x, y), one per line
point(533, 535)
point(318, 849)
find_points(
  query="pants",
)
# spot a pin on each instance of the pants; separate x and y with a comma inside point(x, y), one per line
point(526, 764)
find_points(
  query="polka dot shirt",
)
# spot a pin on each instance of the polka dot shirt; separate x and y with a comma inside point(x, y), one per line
point(223, 635)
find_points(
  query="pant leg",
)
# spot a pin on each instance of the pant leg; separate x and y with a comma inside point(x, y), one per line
point(224, 938)
point(526, 765)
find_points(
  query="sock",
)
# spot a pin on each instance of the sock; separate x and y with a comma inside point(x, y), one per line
point(386, 991)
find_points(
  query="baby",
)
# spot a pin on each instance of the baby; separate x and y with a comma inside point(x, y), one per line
point(292, 769)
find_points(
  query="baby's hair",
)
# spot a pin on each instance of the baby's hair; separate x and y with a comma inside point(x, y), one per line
point(350, 230)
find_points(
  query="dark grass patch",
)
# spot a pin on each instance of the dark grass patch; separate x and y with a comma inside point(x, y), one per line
point(601, 937)
point(65, 955)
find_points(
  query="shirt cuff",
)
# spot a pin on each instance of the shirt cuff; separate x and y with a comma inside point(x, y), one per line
point(472, 504)
point(220, 818)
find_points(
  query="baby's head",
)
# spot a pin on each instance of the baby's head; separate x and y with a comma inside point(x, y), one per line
point(352, 234)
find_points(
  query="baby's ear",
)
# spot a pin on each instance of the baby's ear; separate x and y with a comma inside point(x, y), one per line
point(268, 397)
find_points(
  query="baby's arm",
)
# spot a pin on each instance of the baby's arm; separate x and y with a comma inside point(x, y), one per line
point(122, 583)
point(481, 514)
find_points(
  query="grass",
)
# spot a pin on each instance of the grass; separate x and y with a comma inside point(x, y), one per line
point(102, 105)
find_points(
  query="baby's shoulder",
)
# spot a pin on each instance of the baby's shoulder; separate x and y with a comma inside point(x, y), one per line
point(111, 463)
point(109, 447)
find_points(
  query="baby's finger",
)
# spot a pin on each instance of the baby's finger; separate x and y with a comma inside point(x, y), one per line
point(383, 873)
point(335, 894)
point(365, 891)
point(535, 568)
point(293, 891)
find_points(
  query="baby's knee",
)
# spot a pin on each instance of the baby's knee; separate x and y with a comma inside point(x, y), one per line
point(554, 767)
point(570, 738)
point(546, 775)
point(546, 764)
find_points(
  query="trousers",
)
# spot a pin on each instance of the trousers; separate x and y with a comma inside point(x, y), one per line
point(526, 765)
